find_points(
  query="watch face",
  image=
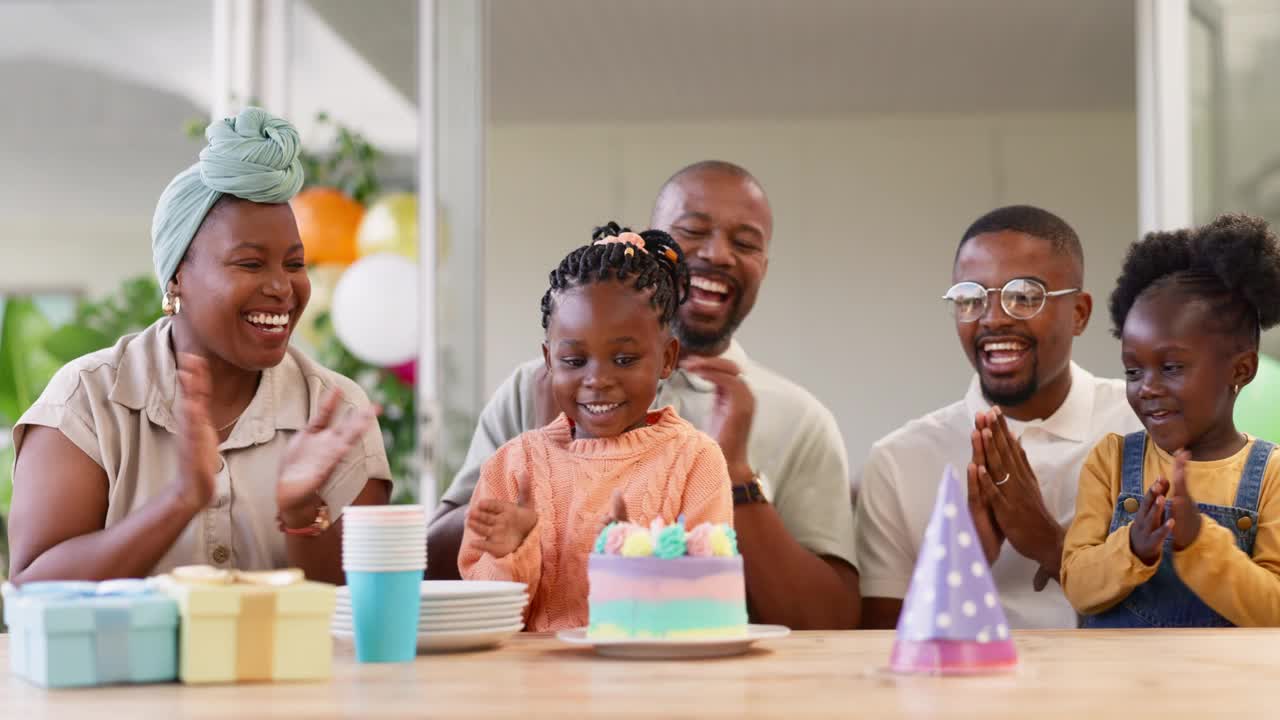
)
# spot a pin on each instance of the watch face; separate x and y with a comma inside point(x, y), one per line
point(750, 493)
point(764, 486)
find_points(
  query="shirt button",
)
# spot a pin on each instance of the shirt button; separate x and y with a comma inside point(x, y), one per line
point(1244, 523)
point(220, 555)
point(1130, 505)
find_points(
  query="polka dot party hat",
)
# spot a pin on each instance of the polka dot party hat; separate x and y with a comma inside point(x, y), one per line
point(952, 620)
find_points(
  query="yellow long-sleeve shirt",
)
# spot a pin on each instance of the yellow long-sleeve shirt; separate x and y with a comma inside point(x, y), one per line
point(1099, 570)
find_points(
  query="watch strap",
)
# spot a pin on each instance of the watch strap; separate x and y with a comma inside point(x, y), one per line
point(750, 493)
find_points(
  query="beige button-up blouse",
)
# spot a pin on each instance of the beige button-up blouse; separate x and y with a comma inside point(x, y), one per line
point(117, 405)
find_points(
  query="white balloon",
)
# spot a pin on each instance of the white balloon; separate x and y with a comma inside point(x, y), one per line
point(375, 309)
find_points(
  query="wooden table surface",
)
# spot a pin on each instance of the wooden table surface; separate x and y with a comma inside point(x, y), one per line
point(1063, 674)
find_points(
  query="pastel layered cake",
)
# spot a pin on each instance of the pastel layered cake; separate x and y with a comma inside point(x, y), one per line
point(660, 582)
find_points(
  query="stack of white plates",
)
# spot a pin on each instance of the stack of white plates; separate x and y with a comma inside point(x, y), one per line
point(456, 614)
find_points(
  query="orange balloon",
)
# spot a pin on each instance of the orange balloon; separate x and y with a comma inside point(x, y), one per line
point(327, 222)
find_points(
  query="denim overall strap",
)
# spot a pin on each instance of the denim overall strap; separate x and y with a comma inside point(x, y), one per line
point(1241, 518)
point(1251, 479)
point(1131, 458)
point(1135, 449)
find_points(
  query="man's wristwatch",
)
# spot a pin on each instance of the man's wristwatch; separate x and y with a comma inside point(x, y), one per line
point(750, 493)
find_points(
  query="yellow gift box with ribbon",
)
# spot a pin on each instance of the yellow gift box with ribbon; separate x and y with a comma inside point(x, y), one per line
point(251, 626)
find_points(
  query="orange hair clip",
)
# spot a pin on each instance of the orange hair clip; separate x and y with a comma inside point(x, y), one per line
point(626, 237)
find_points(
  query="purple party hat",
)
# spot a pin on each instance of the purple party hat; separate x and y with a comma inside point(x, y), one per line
point(952, 621)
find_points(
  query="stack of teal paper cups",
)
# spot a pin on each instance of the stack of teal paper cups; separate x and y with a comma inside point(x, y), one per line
point(384, 555)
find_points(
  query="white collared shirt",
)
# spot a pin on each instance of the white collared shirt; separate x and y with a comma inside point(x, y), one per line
point(795, 445)
point(900, 484)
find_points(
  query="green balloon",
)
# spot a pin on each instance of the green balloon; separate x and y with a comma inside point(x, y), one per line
point(1258, 407)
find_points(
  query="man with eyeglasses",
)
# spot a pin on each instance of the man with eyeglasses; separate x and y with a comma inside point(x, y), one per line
point(1020, 435)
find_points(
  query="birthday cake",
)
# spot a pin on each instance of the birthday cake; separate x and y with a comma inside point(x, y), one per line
point(661, 582)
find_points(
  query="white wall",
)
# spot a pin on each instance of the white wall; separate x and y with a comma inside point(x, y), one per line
point(83, 157)
point(868, 211)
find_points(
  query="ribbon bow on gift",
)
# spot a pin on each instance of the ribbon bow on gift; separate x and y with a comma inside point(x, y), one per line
point(68, 589)
point(209, 575)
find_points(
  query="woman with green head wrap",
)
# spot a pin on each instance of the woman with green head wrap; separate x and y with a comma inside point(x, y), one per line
point(204, 439)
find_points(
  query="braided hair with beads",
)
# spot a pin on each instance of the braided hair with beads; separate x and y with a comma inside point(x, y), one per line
point(654, 263)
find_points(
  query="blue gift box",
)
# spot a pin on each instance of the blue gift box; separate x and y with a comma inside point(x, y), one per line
point(75, 634)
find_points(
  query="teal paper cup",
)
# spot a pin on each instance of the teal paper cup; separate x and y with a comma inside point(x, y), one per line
point(384, 614)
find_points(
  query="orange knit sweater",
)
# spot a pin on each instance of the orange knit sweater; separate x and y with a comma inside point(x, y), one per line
point(665, 469)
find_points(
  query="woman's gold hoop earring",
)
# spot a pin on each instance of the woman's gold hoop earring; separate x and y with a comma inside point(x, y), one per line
point(171, 304)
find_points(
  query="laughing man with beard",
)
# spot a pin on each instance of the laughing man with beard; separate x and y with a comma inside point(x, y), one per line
point(786, 459)
point(1020, 435)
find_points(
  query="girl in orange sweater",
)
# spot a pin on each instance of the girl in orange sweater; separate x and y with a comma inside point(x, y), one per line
point(543, 498)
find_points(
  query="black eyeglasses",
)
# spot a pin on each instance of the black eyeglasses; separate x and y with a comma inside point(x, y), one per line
point(1021, 298)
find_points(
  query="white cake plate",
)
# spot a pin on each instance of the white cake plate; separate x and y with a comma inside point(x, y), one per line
point(674, 649)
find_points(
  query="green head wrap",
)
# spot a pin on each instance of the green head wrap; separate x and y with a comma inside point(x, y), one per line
point(253, 156)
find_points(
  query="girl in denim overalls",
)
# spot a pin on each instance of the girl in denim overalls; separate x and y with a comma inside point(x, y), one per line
point(1179, 525)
